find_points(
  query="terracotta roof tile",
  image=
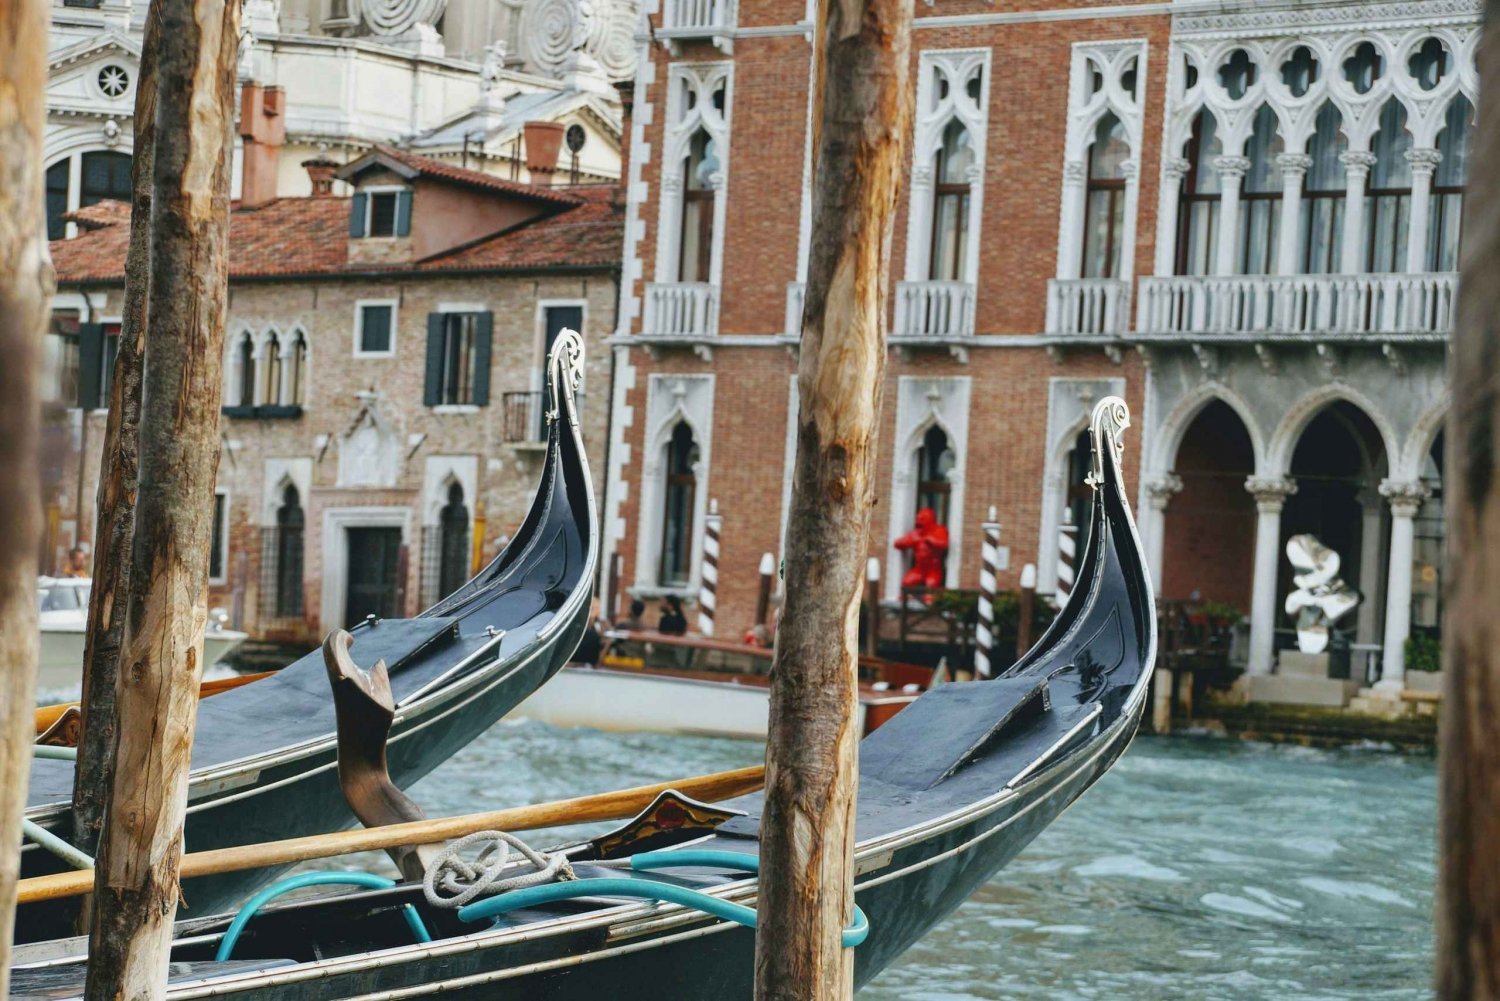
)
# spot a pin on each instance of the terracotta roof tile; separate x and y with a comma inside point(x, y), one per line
point(429, 167)
point(106, 213)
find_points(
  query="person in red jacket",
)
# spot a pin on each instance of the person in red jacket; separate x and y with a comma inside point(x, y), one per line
point(928, 544)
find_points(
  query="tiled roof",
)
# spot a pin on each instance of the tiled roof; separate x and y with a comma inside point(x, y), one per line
point(438, 170)
point(105, 213)
point(310, 237)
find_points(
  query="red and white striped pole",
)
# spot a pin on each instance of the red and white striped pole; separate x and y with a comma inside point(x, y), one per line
point(989, 567)
point(1067, 557)
point(708, 588)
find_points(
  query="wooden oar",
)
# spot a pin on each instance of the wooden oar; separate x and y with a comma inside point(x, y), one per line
point(47, 715)
point(619, 805)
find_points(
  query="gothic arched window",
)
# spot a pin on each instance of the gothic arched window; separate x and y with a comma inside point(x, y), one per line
point(1324, 186)
point(289, 524)
point(679, 507)
point(453, 560)
point(271, 374)
point(935, 460)
point(1448, 181)
point(246, 370)
point(696, 247)
point(296, 372)
point(950, 210)
point(1198, 221)
point(1260, 215)
point(1104, 204)
point(1388, 192)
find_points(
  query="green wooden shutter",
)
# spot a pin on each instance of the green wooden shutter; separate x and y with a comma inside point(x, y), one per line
point(403, 213)
point(484, 335)
point(90, 364)
point(432, 390)
point(357, 214)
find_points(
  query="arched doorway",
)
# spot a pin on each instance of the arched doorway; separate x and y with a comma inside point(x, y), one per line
point(453, 526)
point(1210, 523)
point(679, 511)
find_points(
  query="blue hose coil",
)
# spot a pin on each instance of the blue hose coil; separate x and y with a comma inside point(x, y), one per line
point(365, 879)
point(532, 896)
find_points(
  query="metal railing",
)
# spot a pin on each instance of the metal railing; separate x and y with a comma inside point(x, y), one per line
point(934, 309)
point(523, 416)
point(1298, 304)
point(1087, 306)
point(681, 309)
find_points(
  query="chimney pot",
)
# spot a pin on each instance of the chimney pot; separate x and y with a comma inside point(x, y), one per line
point(543, 143)
point(320, 171)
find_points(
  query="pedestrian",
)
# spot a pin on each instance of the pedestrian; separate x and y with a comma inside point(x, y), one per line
point(591, 645)
point(78, 563)
point(672, 622)
point(636, 621)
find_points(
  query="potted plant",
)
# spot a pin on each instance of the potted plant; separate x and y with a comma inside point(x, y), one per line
point(1424, 663)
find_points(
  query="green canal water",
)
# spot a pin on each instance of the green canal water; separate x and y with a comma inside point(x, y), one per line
point(1203, 869)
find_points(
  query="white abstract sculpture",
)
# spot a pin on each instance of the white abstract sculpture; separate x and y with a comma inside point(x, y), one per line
point(1321, 598)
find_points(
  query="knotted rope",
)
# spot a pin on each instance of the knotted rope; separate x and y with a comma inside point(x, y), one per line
point(451, 881)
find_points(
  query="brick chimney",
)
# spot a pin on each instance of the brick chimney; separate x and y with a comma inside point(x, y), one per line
point(626, 90)
point(263, 129)
point(543, 143)
point(320, 171)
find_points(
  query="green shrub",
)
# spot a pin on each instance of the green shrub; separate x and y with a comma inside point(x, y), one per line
point(1423, 652)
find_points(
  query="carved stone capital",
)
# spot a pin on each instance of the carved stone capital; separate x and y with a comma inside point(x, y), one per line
point(1129, 168)
point(974, 173)
point(1232, 166)
point(1357, 164)
point(671, 183)
point(1294, 164)
point(1161, 490)
point(1424, 161)
point(1074, 172)
point(1270, 492)
point(1175, 168)
point(921, 176)
point(1404, 496)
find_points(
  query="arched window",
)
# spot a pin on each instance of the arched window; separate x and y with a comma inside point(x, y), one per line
point(1080, 495)
point(950, 210)
point(678, 509)
point(289, 524)
point(1388, 192)
point(935, 460)
point(1323, 195)
point(296, 372)
point(453, 560)
point(1448, 183)
point(1104, 205)
point(103, 175)
point(1198, 220)
point(697, 243)
point(271, 375)
point(1260, 214)
point(246, 373)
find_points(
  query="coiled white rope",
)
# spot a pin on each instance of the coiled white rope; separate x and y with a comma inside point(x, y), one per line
point(451, 881)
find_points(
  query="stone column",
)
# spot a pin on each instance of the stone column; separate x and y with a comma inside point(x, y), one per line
point(1294, 167)
point(1159, 493)
point(1270, 497)
point(1070, 248)
point(1168, 201)
point(1356, 170)
point(1132, 172)
point(1232, 170)
point(1405, 497)
point(1423, 163)
point(1369, 565)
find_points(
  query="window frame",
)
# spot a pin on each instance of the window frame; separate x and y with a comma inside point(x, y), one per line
point(359, 327)
point(221, 540)
point(109, 327)
point(688, 481)
point(371, 193)
point(1189, 196)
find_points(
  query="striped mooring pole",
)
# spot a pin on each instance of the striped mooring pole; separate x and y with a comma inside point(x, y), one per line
point(1067, 557)
point(708, 589)
point(989, 566)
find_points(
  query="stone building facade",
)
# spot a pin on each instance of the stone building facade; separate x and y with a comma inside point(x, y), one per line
point(1243, 220)
point(383, 429)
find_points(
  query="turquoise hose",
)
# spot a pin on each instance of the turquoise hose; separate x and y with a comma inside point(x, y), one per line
point(532, 896)
point(365, 879)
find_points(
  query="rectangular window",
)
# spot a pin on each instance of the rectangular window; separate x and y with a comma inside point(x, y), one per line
point(458, 359)
point(60, 359)
point(57, 200)
point(383, 213)
point(218, 555)
point(375, 328)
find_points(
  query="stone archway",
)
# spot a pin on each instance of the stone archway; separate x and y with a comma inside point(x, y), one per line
point(1210, 522)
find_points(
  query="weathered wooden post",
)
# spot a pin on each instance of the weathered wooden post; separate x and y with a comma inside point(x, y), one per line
point(118, 472)
point(989, 569)
point(1468, 910)
point(862, 111)
point(161, 653)
point(1026, 609)
point(25, 293)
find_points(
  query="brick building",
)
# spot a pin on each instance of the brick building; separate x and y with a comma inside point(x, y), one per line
point(1241, 218)
point(383, 428)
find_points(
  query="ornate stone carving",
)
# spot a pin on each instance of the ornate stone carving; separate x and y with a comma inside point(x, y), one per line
point(551, 30)
point(1162, 489)
point(1270, 492)
point(398, 17)
point(1321, 598)
point(1175, 168)
point(493, 67)
point(1294, 163)
point(1424, 161)
point(1232, 166)
point(1357, 163)
point(1405, 496)
point(1074, 172)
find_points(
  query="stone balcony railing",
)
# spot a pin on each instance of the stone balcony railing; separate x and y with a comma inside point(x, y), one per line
point(934, 311)
point(687, 311)
point(1311, 305)
point(713, 20)
point(1087, 306)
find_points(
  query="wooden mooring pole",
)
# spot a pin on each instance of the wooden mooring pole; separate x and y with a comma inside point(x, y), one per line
point(25, 298)
point(862, 110)
point(1468, 909)
point(161, 653)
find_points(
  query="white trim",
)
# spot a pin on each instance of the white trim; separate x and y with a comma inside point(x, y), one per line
point(933, 116)
point(701, 80)
point(671, 398)
point(921, 403)
point(279, 474)
point(441, 470)
point(359, 326)
point(223, 540)
point(381, 189)
point(336, 522)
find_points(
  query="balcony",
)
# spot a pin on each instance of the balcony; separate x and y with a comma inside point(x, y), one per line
point(524, 418)
point(1298, 305)
point(934, 313)
point(698, 20)
point(1087, 306)
point(681, 314)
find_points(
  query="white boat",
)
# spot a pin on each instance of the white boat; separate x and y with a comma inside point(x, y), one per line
point(63, 603)
point(692, 685)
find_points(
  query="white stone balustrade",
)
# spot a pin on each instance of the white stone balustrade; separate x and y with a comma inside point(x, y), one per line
point(934, 310)
point(707, 17)
point(796, 296)
point(689, 310)
point(1315, 305)
point(1087, 306)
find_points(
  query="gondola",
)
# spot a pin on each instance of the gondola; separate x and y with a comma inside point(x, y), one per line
point(950, 790)
point(264, 756)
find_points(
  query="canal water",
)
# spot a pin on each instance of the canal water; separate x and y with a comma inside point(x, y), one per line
point(1197, 868)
